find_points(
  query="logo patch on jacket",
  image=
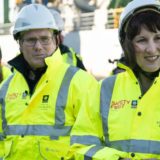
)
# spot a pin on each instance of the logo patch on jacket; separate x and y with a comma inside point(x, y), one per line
point(24, 94)
point(119, 104)
point(13, 96)
point(134, 104)
point(45, 99)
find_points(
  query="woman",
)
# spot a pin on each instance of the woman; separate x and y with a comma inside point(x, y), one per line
point(127, 123)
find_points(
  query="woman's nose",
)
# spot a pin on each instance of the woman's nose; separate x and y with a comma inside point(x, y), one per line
point(151, 47)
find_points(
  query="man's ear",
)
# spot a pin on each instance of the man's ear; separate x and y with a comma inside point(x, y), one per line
point(20, 45)
point(58, 41)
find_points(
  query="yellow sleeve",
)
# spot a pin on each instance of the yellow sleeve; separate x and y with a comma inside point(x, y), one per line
point(6, 72)
point(87, 139)
point(103, 153)
point(1, 137)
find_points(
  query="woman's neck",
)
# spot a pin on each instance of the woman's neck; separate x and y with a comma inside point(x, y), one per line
point(145, 78)
point(145, 83)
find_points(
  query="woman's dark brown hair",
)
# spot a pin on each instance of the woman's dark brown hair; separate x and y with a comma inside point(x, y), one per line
point(148, 19)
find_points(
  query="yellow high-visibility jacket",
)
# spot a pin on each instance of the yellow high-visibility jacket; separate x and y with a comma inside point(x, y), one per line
point(125, 125)
point(6, 72)
point(37, 126)
point(71, 57)
point(120, 67)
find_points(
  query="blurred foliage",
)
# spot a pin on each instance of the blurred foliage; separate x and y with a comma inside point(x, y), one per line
point(118, 3)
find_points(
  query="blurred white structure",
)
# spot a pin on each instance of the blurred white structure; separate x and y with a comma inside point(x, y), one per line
point(96, 48)
point(93, 41)
point(1, 11)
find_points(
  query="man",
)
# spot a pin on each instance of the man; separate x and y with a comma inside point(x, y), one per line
point(39, 103)
point(68, 53)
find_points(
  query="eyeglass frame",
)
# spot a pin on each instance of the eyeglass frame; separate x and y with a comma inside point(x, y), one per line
point(34, 41)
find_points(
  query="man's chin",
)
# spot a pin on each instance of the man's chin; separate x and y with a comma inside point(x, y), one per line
point(38, 66)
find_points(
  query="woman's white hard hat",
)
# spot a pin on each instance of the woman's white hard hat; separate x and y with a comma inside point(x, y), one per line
point(133, 7)
point(34, 16)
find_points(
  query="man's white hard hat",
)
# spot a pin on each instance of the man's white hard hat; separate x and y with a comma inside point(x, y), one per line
point(34, 16)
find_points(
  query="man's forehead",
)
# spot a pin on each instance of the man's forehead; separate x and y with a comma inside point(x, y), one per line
point(37, 32)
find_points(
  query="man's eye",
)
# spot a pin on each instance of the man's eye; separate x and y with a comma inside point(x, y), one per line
point(45, 39)
point(31, 40)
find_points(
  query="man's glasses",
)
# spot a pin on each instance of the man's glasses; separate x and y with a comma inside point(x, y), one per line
point(30, 42)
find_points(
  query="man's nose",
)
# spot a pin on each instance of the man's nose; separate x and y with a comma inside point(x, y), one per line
point(38, 44)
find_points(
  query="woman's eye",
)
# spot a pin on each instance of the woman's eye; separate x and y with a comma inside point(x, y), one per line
point(158, 37)
point(140, 40)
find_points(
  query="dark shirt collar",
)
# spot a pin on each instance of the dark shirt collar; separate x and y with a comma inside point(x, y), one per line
point(31, 76)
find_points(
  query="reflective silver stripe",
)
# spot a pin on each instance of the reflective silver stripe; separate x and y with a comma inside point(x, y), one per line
point(86, 140)
point(143, 146)
point(88, 155)
point(105, 99)
point(63, 95)
point(1, 136)
point(106, 95)
point(38, 130)
point(3, 92)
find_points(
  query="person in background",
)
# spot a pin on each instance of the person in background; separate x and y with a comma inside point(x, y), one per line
point(4, 70)
point(120, 65)
point(68, 53)
point(39, 103)
point(125, 123)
